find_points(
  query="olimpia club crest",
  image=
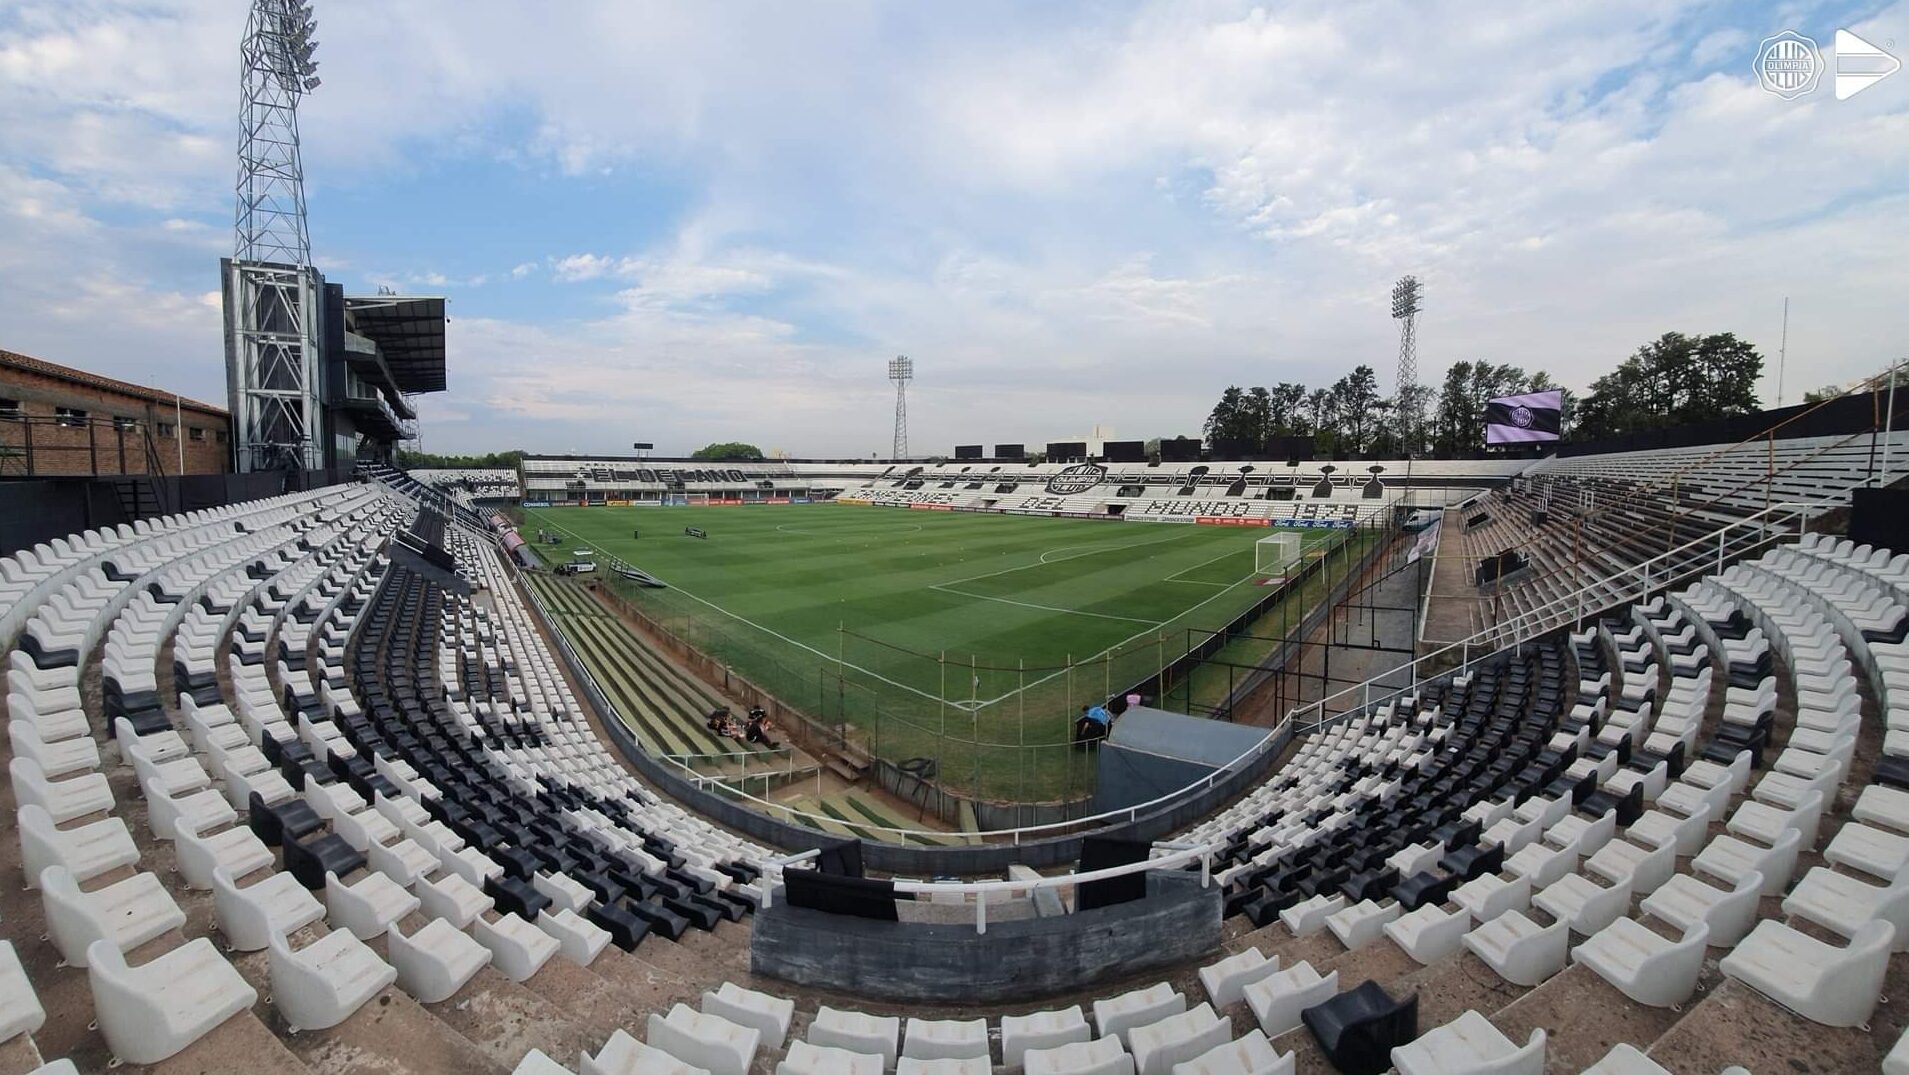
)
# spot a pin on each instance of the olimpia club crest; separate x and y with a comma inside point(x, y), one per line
point(1076, 479)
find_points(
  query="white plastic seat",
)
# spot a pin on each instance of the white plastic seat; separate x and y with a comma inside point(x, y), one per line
point(710, 1042)
point(579, 940)
point(1643, 966)
point(538, 1062)
point(806, 1059)
point(402, 860)
point(85, 851)
point(1587, 907)
point(237, 851)
point(63, 800)
point(128, 913)
point(1430, 933)
point(1225, 982)
point(624, 1055)
point(275, 907)
point(1641, 869)
point(1252, 1054)
point(518, 948)
point(1518, 949)
point(947, 1065)
point(1730, 859)
point(1363, 922)
point(1278, 999)
point(1309, 916)
point(945, 1039)
point(1041, 1030)
point(1101, 1056)
point(1114, 1016)
point(1487, 896)
point(322, 984)
point(859, 1032)
point(1159, 1045)
point(20, 1009)
point(1727, 914)
point(452, 898)
point(1843, 904)
point(770, 1016)
point(436, 961)
point(368, 906)
point(364, 828)
point(1470, 1045)
point(1542, 864)
point(1661, 829)
point(55, 759)
point(202, 811)
point(564, 891)
point(1882, 855)
point(1828, 985)
point(150, 1012)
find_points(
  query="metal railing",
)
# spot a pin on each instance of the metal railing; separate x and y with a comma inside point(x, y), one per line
point(1761, 529)
point(1177, 855)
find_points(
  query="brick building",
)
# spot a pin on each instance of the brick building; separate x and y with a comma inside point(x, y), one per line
point(59, 421)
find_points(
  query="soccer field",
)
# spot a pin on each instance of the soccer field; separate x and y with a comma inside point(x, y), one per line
point(983, 627)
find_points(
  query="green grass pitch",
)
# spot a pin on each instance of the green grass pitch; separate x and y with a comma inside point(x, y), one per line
point(771, 588)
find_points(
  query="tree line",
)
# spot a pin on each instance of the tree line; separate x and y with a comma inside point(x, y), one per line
point(1672, 380)
point(506, 460)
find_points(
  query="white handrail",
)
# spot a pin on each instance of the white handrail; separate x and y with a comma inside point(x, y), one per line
point(1556, 610)
point(1178, 855)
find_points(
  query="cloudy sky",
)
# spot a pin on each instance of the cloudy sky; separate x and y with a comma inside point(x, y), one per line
point(705, 221)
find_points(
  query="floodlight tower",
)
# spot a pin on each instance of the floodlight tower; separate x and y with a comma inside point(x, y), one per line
point(901, 370)
point(271, 292)
point(1405, 307)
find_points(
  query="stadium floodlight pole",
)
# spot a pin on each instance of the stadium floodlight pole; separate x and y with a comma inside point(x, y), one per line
point(271, 291)
point(901, 370)
point(1405, 308)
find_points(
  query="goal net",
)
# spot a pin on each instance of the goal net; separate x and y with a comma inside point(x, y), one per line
point(1275, 554)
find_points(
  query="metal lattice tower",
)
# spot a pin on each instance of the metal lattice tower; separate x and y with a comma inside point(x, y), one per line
point(1405, 308)
point(272, 294)
point(901, 370)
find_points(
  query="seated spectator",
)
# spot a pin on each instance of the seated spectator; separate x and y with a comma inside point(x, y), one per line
point(759, 728)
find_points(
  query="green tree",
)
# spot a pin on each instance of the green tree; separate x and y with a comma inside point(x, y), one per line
point(1673, 380)
point(729, 451)
point(506, 460)
point(1357, 408)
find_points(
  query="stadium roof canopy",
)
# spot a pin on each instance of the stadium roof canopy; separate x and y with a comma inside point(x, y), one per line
point(409, 332)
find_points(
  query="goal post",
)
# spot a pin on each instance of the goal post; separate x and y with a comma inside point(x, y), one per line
point(1275, 554)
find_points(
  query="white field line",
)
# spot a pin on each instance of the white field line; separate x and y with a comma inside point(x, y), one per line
point(1091, 551)
point(779, 635)
point(1175, 577)
point(1030, 604)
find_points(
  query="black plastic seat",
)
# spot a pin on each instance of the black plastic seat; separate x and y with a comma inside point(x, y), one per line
point(289, 820)
point(1424, 888)
point(515, 895)
point(1369, 885)
point(1358, 1029)
point(626, 930)
point(1473, 861)
point(310, 860)
point(662, 921)
point(699, 911)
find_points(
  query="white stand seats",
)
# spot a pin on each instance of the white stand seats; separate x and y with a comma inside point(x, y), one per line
point(769, 1015)
point(368, 907)
point(1117, 1015)
point(1158, 1046)
point(1643, 966)
point(1363, 922)
point(63, 800)
point(538, 1062)
point(236, 851)
point(1587, 907)
point(969, 1065)
point(1487, 896)
point(518, 948)
point(1309, 916)
point(1430, 933)
point(320, 985)
point(1470, 1045)
point(1727, 914)
point(1730, 859)
point(1844, 904)
point(20, 1009)
point(1045, 1030)
point(806, 1059)
point(452, 898)
point(1101, 1056)
point(127, 913)
point(710, 1042)
point(251, 917)
point(859, 1032)
point(86, 852)
point(1225, 982)
point(1832, 986)
point(1278, 999)
point(1250, 1055)
point(945, 1039)
point(624, 1055)
point(436, 961)
point(1520, 950)
point(151, 1012)
point(1643, 869)
point(579, 940)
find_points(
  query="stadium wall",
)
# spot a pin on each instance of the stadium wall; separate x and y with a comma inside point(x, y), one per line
point(56, 421)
